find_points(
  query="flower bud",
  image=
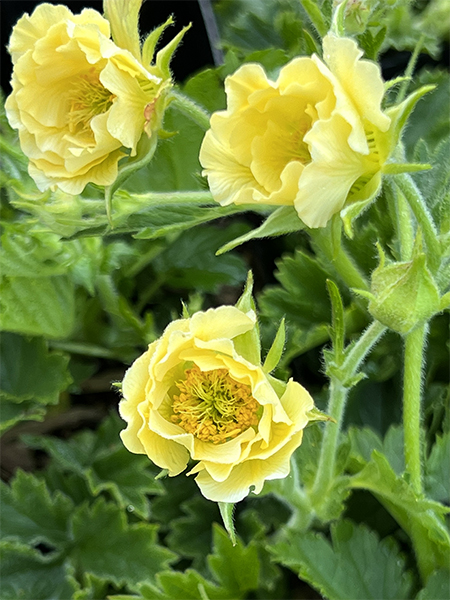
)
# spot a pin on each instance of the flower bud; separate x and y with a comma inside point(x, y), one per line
point(403, 294)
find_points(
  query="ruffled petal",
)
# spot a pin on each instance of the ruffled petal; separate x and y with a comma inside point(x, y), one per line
point(251, 473)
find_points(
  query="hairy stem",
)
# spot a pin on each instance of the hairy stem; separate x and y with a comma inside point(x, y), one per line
point(336, 407)
point(412, 382)
point(423, 217)
point(189, 108)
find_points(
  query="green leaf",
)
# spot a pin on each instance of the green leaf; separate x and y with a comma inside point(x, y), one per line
point(101, 531)
point(235, 567)
point(190, 535)
point(12, 413)
point(283, 220)
point(437, 470)
point(30, 515)
point(355, 565)
point(158, 221)
point(28, 371)
point(189, 585)
point(302, 296)
point(190, 261)
point(102, 461)
point(27, 574)
point(421, 518)
point(38, 306)
point(437, 587)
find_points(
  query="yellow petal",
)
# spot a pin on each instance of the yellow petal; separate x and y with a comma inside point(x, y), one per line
point(248, 79)
point(251, 473)
point(123, 16)
point(29, 29)
point(361, 79)
point(326, 181)
point(221, 322)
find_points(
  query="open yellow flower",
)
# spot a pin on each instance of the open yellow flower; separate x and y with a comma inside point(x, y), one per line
point(79, 101)
point(193, 395)
point(315, 138)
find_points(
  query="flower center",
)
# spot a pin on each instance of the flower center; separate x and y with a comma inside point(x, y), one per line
point(87, 99)
point(213, 406)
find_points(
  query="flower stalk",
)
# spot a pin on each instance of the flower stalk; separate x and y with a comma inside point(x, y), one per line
point(412, 383)
point(189, 108)
point(341, 380)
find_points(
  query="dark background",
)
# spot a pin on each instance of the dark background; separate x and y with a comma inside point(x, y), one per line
point(193, 54)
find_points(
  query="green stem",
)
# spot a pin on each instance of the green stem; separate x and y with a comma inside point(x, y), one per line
point(327, 460)
point(409, 70)
point(403, 217)
point(414, 353)
point(341, 261)
point(336, 407)
point(423, 217)
point(189, 108)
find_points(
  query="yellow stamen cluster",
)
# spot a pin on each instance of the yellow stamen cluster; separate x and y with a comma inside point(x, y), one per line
point(213, 406)
point(87, 99)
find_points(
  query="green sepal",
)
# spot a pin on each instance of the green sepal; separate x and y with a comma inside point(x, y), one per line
point(226, 512)
point(162, 474)
point(337, 24)
point(317, 415)
point(445, 301)
point(145, 150)
point(399, 114)
point(396, 168)
point(148, 49)
point(164, 56)
point(276, 350)
point(248, 344)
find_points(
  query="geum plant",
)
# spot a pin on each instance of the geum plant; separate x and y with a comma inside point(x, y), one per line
point(103, 195)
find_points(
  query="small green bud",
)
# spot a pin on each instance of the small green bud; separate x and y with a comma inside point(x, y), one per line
point(403, 294)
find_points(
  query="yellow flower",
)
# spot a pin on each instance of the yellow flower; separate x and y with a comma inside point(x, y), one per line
point(194, 395)
point(80, 101)
point(315, 138)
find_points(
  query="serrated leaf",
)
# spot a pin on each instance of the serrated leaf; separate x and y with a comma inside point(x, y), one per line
point(235, 567)
point(190, 261)
point(12, 413)
point(437, 587)
point(101, 531)
point(29, 514)
point(105, 465)
point(355, 565)
point(29, 371)
point(190, 535)
point(38, 306)
point(302, 296)
point(421, 518)
point(27, 574)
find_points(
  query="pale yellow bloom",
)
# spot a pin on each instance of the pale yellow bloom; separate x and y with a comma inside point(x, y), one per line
point(193, 395)
point(315, 138)
point(80, 102)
